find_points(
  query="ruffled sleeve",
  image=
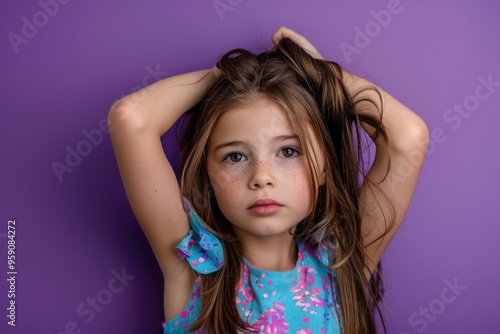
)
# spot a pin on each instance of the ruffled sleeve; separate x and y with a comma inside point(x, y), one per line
point(324, 250)
point(201, 248)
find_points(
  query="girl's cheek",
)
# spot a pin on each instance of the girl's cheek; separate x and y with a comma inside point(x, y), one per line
point(224, 181)
point(298, 181)
point(219, 177)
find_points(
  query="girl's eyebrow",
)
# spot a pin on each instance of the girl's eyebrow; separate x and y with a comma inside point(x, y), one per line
point(244, 143)
point(228, 144)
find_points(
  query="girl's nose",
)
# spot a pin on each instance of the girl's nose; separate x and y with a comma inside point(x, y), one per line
point(262, 175)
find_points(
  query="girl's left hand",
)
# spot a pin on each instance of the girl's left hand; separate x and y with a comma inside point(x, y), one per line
point(284, 32)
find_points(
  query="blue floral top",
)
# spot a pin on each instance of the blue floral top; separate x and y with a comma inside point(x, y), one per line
point(300, 301)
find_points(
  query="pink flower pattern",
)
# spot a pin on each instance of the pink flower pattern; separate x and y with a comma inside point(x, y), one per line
point(273, 320)
point(305, 292)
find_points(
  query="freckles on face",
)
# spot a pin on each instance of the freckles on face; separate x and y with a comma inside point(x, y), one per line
point(255, 154)
point(226, 185)
point(300, 181)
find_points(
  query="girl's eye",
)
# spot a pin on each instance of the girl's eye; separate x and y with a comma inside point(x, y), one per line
point(289, 152)
point(234, 157)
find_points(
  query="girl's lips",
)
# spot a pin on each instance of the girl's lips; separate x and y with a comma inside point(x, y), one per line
point(265, 207)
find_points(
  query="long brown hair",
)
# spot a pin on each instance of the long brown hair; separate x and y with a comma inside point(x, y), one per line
point(312, 94)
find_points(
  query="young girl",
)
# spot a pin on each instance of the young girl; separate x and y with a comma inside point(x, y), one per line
point(276, 227)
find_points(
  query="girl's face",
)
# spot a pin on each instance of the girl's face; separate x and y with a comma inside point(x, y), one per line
point(258, 172)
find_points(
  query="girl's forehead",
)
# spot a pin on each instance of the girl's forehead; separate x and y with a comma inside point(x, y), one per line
point(258, 118)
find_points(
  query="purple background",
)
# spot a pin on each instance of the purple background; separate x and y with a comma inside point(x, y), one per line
point(72, 233)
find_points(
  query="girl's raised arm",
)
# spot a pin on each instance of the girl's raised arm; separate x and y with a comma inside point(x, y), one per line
point(137, 122)
point(384, 203)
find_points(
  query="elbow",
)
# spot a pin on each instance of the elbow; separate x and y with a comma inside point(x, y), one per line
point(119, 113)
point(414, 141)
point(122, 116)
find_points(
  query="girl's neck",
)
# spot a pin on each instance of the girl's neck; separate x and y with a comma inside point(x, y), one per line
point(274, 254)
